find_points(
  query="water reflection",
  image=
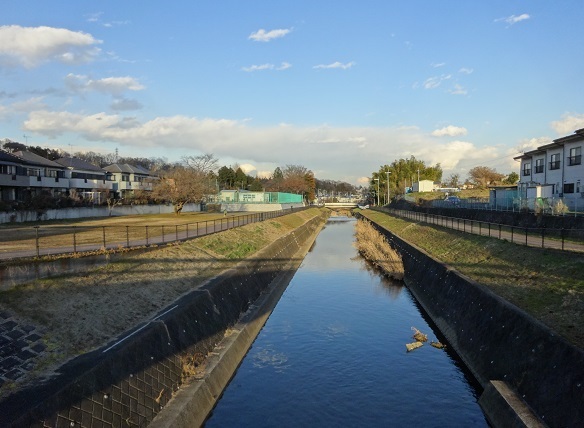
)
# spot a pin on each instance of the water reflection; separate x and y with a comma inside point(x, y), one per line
point(333, 354)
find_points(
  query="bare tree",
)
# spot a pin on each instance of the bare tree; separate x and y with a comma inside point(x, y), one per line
point(484, 176)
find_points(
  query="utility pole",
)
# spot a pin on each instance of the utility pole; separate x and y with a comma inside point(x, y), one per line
point(377, 190)
point(388, 172)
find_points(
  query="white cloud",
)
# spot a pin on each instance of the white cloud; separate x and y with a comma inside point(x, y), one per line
point(109, 85)
point(569, 123)
point(267, 66)
point(125, 104)
point(31, 46)
point(458, 90)
point(336, 64)
point(258, 67)
point(531, 144)
point(438, 65)
point(434, 82)
point(449, 131)
point(265, 36)
point(465, 70)
point(354, 151)
point(513, 19)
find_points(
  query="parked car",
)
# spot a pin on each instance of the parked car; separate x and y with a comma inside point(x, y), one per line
point(454, 200)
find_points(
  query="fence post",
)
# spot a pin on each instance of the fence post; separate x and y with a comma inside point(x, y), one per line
point(146, 235)
point(542, 237)
point(127, 236)
point(187, 230)
point(563, 230)
point(176, 232)
point(499, 231)
point(104, 245)
point(163, 234)
point(74, 239)
point(37, 241)
point(511, 233)
point(526, 236)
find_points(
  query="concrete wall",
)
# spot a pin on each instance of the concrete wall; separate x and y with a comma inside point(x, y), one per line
point(127, 382)
point(97, 211)
point(498, 341)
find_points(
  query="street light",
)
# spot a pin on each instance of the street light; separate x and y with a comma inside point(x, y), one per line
point(377, 190)
point(388, 172)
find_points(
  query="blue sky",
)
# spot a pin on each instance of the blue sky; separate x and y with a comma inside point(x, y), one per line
point(341, 87)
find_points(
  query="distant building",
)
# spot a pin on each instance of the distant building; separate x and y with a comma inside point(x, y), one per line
point(423, 186)
point(127, 179)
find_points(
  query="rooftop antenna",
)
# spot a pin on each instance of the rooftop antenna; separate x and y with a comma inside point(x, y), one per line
point(116, 155)
point(26, 139)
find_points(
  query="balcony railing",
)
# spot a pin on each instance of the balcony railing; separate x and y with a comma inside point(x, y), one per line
point(575, 160)
point(555, 165)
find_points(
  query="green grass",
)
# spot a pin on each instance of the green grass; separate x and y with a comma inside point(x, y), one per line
point(548, 284)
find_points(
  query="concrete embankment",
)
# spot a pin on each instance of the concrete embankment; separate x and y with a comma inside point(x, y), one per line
point(530, 375)
point(129, 381)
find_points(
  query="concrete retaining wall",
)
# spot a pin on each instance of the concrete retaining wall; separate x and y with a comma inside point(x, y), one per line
point(498, 341)
point(97, 211)
point(128, 382)
point(237, 207)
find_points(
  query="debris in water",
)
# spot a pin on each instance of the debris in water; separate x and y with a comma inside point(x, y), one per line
point(412, 346)
point(438, 345)
point(419, 336)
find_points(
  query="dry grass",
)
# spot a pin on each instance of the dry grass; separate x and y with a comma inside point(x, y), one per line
point(374, 247)
point(547, 284)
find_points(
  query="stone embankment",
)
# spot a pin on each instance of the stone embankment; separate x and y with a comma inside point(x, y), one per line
point(130, 380)
point(530, 375)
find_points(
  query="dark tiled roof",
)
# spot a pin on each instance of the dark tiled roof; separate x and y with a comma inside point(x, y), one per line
point(9, 157)
point(76, 163)
point(127, 168)
point(33, 158)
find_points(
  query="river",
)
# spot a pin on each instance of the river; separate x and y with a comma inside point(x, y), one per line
point(333, 354)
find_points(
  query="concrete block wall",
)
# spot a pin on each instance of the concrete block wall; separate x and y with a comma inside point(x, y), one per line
point(126, 384)
point(496, 340)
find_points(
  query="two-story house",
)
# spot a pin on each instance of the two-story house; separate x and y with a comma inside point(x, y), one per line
point(87, 180)
point(44, 175)
point(127, 179)
point(554, 170)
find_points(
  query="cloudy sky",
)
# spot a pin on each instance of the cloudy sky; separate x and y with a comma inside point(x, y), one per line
point(341, 87)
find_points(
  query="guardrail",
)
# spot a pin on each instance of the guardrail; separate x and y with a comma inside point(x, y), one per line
point(37, 241)
point(559, 239)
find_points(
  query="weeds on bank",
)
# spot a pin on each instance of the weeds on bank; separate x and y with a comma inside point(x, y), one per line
point(547, 284)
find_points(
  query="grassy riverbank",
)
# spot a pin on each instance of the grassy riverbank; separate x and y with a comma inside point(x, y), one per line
point(547, 284)
point(80, 312)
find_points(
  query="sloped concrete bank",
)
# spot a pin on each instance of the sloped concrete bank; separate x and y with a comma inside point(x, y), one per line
point(530, 375)
point(129, 381)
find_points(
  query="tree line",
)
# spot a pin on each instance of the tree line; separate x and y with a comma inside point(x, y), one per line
point(402, 173)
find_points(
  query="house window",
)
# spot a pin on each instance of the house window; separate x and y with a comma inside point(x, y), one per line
point(125, 177)
point(568, 187)
point(555, 161)
point(527, 168)
point(575, 156)
point(33, 172)
point(8, 169)
point(538, 166)
point(51, 173)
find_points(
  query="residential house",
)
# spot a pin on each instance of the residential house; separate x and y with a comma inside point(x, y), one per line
point(86, 180)
point(44, 175)
point(13, 178)
point(554, 170)
point(127, 179)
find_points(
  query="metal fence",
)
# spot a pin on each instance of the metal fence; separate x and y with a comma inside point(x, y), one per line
point(559, 239)
point(36, 241)
point(551, 206)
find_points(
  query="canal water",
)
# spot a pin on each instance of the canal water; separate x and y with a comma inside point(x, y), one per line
point(333, 354)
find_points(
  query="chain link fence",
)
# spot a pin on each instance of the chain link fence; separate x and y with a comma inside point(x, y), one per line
point(37, 241)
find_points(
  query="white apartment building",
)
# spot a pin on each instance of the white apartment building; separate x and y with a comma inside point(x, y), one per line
point(554, 170)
